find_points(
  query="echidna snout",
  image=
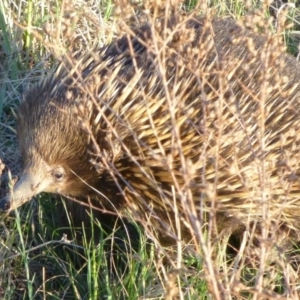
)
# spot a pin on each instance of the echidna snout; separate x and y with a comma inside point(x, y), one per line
point(34, 180)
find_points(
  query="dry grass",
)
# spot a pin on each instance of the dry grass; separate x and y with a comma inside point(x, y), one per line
point(34, 263)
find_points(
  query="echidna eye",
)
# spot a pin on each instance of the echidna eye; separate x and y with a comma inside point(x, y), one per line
point(58, 174)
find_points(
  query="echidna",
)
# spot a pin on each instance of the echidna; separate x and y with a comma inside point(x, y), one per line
point(169, 122)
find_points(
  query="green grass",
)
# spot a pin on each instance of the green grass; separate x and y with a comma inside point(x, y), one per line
point(37, 260)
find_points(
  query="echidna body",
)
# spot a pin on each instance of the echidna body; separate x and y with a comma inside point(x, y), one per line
point(192, 117)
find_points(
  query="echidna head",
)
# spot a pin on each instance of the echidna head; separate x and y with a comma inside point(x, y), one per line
point(53, 149)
